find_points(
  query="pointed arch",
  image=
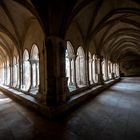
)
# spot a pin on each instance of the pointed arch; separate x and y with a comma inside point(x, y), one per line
point(69, 65)
point(70, 49)
point(34, 52)
point(34, 61)
point(26, 71)
point(80, 67)
point(14, 72)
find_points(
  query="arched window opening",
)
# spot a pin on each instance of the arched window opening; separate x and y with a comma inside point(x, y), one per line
point(18, 73)
point(80, 67)
point(26, 71)
point(15, 72)
point(70, 66)
point(67, 59)
point(34, 61)
point(113, 70)
point(5, 74)
point(2, 73)
point(117, 70)
point(8, 73)
point(103, 69)
point(109, 69)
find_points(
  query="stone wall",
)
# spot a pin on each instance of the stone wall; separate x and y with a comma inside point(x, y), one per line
point(130, 68)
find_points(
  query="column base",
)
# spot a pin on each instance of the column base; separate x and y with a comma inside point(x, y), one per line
point(71, 84)
point(88, 83)
point(62, 90)
point(58, 91)
point(33, 90)
point(100, 79)
point(76, 85)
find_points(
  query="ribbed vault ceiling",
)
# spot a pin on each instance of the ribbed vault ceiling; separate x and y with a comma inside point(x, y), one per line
point(15, 18)
point(114, 26)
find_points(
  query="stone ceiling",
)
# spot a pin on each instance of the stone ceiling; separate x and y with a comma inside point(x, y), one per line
point(107, 27)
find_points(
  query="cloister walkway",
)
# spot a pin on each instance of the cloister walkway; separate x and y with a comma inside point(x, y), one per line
point(113, 115)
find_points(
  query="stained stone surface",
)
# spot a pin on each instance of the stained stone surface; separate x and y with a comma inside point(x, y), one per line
point(113, 115)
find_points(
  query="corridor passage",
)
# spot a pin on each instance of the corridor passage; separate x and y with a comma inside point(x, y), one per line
point(112, 115)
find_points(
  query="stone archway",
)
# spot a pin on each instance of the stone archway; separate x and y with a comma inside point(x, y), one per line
point(80, 67)
point(26, 71)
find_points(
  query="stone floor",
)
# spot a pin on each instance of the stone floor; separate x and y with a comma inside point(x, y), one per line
point(112, 115)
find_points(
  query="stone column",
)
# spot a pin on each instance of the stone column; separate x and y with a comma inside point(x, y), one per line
point(112, 71)
point(106, 69)
point(21, 74)
point(0, 75)
point(57, 90)
point(87, 68)
point(31, 74)
point(4, 74)
point(70, 72)
point(37, 76)
point(118, 71)
point(74, 69)
point(115, 70)
point(92, 71)
point(11, 75)
point(109, 70)
point(17, 85)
